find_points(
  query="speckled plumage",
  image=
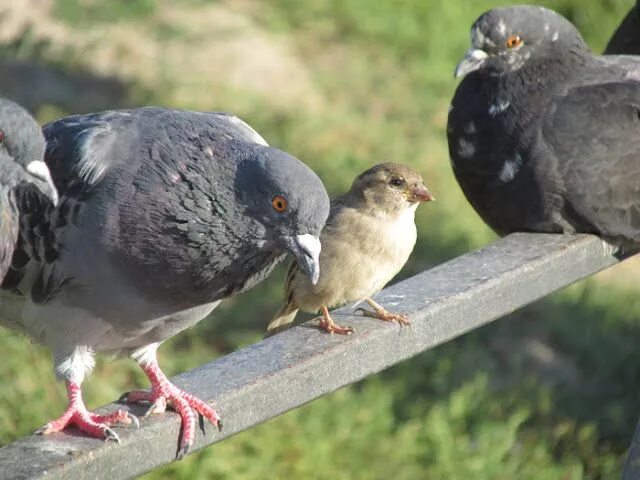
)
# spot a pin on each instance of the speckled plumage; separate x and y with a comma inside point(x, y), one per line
point(562, 153)
point(21, 149)
point(162, 214)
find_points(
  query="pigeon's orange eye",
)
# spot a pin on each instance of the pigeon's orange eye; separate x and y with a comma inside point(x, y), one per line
point(513, 41)
point(1, 136)
point(279, 203)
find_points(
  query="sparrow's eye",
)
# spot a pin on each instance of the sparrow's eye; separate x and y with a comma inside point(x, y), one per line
point(513, 41)
point(279, 203)
point(396, 181)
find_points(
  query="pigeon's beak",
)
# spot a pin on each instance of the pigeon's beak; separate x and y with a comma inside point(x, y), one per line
point(472, 61)
point(420, 193)
point(40, 171)
point(306, 249)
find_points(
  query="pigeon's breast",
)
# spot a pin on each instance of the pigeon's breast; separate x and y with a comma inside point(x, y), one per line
point(490, 155)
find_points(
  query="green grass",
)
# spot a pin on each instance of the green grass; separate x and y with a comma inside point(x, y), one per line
point(548, 393)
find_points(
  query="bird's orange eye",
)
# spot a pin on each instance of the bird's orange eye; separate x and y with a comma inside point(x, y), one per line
point(513, 41)
point(1, 136)
point(279, 203)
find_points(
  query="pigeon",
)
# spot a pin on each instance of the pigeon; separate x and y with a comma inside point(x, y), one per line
point(626, 39)
point(544, 136)
point(21, 163)
point(367, 239)
point(162, 214)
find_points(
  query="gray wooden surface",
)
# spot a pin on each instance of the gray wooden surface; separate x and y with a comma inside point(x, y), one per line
point(264, 380)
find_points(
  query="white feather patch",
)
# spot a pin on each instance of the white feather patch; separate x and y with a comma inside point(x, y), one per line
point(147, 354)
point(256, 137)
point(92, 162)
point(510, 169)
point(498, 107)
point(74, 367)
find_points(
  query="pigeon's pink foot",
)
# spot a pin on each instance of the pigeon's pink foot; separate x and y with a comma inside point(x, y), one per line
point(91, 423)
point(164, 393)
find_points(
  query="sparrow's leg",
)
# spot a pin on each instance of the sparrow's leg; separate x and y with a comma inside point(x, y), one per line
point(327, 324)
point(90, 423)
point(164, 393)
point(382, 313)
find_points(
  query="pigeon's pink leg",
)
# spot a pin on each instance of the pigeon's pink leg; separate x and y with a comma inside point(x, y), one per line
point(90, 423)
point(164, 393)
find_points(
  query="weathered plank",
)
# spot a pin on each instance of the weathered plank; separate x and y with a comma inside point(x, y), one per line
point(264, 380)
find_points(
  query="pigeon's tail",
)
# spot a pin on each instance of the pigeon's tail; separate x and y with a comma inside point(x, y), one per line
point(282, 320)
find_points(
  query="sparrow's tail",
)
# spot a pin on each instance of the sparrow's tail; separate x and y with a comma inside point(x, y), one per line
point(282, 320)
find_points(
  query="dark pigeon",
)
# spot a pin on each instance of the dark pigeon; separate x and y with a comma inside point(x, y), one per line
point(162, 214)
point(21, 165)
point(544, 136)
point(626, 39)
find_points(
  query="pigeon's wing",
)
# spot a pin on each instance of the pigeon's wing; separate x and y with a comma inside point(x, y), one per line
point(627, 66)
point(234, 128)
point(594, 133)
point(8, 230)
point(626, 39)
point(81, 149)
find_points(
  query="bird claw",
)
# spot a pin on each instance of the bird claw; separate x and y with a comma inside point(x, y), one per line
point(331, 328)
point(219, 425)
point(159, 405)
point(44, 430)
point(133, 420)
point(382, 314)
point(183, 450)
point(111, 436)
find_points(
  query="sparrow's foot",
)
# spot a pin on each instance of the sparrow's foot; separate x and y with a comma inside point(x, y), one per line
point(164, 393)
point(328, 325)
point(91, 423)
point(382, 313)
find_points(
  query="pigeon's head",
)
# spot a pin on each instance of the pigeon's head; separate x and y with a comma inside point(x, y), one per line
point(287, 203)
point(21, 138)
point(503, 40)
point(391, 187)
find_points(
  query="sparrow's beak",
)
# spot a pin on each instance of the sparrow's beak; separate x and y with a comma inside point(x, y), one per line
point(306, 249)
point(472, 61)
point(420, 193)
point(45, 184)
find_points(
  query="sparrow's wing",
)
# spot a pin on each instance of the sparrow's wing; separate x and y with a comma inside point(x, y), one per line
point(287, 313)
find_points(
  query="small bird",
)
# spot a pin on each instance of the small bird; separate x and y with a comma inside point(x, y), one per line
point(367, 239)
point(626, 38)
point(21, 163)
point(544, 136)
point(162, 214)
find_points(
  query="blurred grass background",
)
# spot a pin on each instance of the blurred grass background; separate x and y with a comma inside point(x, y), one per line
point(552, 392)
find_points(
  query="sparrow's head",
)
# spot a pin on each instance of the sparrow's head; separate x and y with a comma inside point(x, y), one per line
point(391, 187)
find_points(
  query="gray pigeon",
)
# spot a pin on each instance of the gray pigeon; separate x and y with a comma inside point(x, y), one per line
point(162, 214)
point(626, 39)
point(21, 163)
point(544, 136)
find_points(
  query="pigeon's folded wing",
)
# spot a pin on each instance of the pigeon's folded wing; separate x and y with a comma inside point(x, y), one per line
point(234, 128)
point(594, 133)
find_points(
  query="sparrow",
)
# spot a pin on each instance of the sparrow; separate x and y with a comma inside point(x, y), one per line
point(366, 241)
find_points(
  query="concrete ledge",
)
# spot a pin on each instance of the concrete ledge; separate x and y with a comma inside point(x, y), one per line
point(283, 372)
